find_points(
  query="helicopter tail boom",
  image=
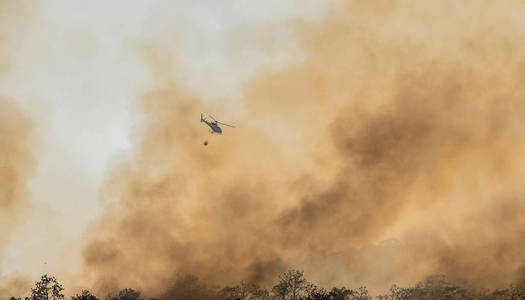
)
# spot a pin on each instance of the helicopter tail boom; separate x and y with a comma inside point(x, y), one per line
point(225, 124)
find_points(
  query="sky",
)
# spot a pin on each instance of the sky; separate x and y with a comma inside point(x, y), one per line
point(370, 136)
point(79, 69)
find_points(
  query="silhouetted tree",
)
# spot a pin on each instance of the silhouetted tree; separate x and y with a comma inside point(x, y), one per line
point(435, 287)
point(360, 294)
point(260, 294)
point(85, 295)
point(281, 290)
point(292, 285)
point(316, 293)
point(341, 293)
point(399, 293)
point(243, 291)
point(46, 289)
point(126, 294)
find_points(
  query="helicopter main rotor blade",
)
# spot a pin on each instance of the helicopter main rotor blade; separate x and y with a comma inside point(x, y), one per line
point(213, 118)
point(225, 124)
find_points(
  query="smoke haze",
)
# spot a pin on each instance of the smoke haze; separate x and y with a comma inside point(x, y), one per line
point(396, 120)
point(17, 142)
point(17, 165)
point(376, 142)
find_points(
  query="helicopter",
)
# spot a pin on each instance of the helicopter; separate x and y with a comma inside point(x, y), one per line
point(214, 127)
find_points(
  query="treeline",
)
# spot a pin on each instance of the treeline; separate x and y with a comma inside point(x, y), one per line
point(292, 285)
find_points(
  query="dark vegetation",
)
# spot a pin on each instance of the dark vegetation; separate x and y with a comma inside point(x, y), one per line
point(292, 285)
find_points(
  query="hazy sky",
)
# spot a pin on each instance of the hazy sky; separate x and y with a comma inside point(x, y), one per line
point(79, 68)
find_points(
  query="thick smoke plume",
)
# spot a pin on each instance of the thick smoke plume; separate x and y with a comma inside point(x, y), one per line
point(398, 120)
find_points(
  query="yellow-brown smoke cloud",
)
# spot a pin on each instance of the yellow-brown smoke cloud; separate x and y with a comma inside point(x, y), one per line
point(17, 163)
point(17, 160)
point(398, 119)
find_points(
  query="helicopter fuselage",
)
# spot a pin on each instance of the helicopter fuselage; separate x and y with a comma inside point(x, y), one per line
point(213, 126)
